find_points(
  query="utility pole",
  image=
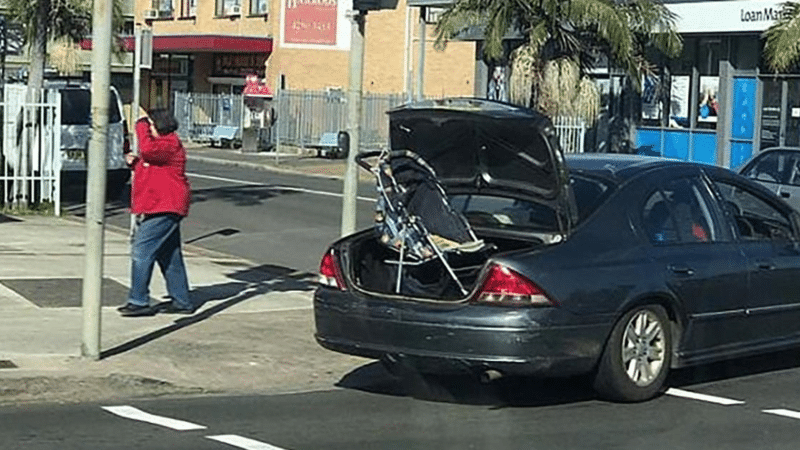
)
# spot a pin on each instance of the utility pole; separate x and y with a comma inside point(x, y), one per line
point(137, 81)
point(423, 33)
point(354, 93)
point(96, 178)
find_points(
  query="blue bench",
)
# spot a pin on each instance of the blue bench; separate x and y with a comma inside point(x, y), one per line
point(224, 134)
point(328, 145)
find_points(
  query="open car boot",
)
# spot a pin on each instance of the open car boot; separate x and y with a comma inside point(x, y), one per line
point(415, 219)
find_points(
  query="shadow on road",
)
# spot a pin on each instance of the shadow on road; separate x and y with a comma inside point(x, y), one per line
point(246, 284)
point(240, 195)
point(466, 389)
point(735, 368)
point(533, 392)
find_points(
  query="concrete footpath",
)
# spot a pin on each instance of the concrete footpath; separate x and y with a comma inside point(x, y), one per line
point(253, 333)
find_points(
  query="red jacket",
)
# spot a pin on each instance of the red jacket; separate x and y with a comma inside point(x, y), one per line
point(159, 174)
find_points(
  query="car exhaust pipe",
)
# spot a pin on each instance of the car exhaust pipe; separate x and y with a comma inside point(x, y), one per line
point(489, 375)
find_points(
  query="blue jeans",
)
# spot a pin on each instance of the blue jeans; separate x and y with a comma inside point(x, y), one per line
point(158, 239)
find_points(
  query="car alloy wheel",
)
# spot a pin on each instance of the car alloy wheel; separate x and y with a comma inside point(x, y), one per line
point(636, 358)
point(643, 347)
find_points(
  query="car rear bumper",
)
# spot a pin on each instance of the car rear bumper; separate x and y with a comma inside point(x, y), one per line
point(448, 338)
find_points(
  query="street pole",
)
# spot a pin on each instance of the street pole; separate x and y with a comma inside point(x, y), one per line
point(136, 101)
point(421, 56)
point(354, 91)
point(137, 81)
point(96, 178)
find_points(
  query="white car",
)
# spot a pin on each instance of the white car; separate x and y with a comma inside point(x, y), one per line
point(778, 169)
point(75, 133)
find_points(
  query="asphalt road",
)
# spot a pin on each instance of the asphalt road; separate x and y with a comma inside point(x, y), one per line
point(287, 221)
point(370, 410)
point(282, 222)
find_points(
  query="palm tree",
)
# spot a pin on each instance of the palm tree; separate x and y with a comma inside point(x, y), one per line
point(44, 20)
point(782, 47)
point(55, 20)
point(563, 39)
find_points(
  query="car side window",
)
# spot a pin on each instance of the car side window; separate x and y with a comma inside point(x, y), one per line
point(755, 218)
point(679, 212)
point(794, 170)
point(771, 167)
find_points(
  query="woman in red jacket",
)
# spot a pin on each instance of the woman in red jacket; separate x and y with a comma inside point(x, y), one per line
point(160, 196)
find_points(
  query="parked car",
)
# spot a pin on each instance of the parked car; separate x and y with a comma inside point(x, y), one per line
point(618, 266)
point(76, 127)
point(777, 168)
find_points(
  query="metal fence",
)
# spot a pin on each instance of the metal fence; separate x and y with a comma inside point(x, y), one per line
point(571, 133)
point(199, 114)
point(303, 117)
point(30, 161)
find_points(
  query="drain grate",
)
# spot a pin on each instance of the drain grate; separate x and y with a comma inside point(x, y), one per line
point(63, 292)
point(7, 364)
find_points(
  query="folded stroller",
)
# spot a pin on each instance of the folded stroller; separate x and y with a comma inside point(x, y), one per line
point(413, 215)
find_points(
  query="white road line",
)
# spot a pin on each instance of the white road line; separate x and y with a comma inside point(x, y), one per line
point(277, 187)
point(243, 442)
point(129, 412)
point(783, 412)
point(703, 397)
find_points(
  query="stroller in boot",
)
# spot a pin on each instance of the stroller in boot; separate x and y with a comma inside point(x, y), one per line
point(415, 219)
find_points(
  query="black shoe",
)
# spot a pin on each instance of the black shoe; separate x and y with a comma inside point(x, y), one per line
point(172, 308)
point(131, 310)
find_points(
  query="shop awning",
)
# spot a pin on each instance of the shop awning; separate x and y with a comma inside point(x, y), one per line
point(213, 43)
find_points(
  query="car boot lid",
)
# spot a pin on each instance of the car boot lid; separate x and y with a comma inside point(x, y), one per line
point(484, 145)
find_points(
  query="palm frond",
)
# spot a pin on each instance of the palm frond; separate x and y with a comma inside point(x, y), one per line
point(655, 21)
point(609, 21)
point(782, 47)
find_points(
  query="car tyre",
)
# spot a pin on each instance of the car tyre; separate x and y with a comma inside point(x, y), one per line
point(637, 356)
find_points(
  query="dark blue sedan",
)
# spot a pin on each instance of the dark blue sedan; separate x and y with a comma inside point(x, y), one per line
point(619, 266)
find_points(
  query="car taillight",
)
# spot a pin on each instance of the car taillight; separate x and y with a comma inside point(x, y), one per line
point(503, 286)
point(329, 272)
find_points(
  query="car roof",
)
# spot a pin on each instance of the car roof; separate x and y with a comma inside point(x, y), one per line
point(775, 149)
point(618, 167)
point(470, 105)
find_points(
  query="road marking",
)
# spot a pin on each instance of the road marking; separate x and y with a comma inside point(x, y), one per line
point(243, 442)
point(703, 397)
point(277, 187)
point(783, 412)
point(129, 412)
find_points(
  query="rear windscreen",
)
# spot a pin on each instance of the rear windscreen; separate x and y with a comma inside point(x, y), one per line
point(493, 211)
point(76, 107)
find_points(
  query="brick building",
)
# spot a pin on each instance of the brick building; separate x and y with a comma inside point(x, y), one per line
point(294, 44)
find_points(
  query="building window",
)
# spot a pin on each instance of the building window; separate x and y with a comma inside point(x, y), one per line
point(684, 94)
point(163, 9)
point(259, 7)
point(228, 8)
point(188, 8)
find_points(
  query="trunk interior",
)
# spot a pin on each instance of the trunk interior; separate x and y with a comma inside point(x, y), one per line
point(374, 268)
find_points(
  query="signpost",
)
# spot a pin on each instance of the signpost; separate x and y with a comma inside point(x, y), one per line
point(354, 94)
point(96, 179)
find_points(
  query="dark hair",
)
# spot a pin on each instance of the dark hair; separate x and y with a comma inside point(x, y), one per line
point(163, 120)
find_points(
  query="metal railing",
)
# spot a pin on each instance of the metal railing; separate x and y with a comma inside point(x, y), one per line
point(303, 117)
point(30, 161)
point(571, 133)
point(199, 113)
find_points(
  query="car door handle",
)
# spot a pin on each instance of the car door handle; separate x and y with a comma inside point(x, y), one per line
point(680, 270)
point(765, 265)
point(786, 194)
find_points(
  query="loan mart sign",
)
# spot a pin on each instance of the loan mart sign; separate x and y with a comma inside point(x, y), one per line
point(725, 16)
